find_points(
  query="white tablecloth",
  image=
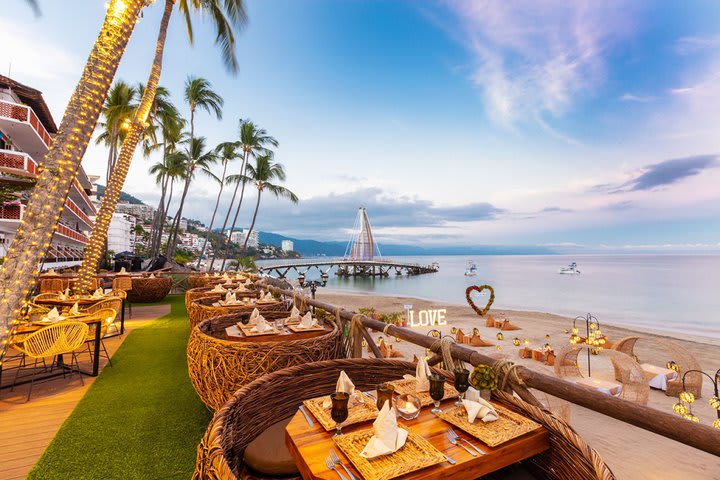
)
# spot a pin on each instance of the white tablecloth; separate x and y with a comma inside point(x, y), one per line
point(604, 386)
point(660, 375)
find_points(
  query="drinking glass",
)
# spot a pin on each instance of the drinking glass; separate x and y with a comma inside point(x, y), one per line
point(384, 394)
point(461, 383)
point(437, 391)
point(339, 411)
point(279, 324)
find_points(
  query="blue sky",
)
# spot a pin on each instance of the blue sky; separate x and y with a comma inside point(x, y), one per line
point(585, 125)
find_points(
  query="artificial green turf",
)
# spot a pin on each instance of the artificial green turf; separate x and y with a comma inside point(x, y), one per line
point(140, 419)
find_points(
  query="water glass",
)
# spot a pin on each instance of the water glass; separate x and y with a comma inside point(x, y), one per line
point(384, 393)
point(461, 383)
point(339, 411)
point(437, 391)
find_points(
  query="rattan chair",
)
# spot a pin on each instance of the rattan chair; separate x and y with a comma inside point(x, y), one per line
point(40, 297)
point(61, 338)
point(149, 290)
point(680, 355)
point(122, 284)
point(627, 371)
point(107, 318)
point(204, 308)
point(114, 303)
point(276, 396)
point(52, 285)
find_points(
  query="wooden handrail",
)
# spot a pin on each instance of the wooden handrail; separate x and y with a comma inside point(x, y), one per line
point(702, 437)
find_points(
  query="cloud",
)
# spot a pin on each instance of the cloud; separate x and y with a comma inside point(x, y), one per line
point(629, 97)
point(670, 172)
point(691, 44)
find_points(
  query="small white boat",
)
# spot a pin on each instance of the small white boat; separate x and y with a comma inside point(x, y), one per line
point(570, 270)
point(471, 269)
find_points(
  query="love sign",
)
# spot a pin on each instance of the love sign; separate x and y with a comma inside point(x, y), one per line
point(427, 318)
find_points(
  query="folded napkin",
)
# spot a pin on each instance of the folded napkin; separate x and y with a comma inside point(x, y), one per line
point(219, 289)
point(307, 321)
point(478, 407)
point(254, 316)
point(388, 438)
point(62, 296)
point(97, 293)
point(294, 315)
point(260, 325)
point(248, 281)
point(53, 316)
point(152, 275)
point(344, 384)
point(226, 278)
point(67, 292)
point(267, 298)
point(230, 297)
point(422, 371)
point(122, 270)
point(75, 309)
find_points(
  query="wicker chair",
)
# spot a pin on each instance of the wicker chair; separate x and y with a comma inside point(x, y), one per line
point(627, 371)
point(219, 367)
point(201, 292)
point(58, 339)
point(266, 401)
point(149, 290)
point(680, 355)
point(40, 297)
point(197, 281)
point(107, 318)
point(52, 285)
point(121, 285)
point(204, 308)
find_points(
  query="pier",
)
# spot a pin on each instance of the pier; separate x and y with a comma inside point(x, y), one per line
point(348, 267)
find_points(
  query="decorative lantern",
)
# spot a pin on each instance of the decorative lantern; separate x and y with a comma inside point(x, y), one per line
point(435, 333)
point(680, 408)
point(397, 339)
point(714, 402)
point(476, 331)
point(687, 397)
point(526, 341)
point(453, 330)
point(499, 336)
point(547, 335)
point(516, 342)
point(671, 365)
point(364, 343)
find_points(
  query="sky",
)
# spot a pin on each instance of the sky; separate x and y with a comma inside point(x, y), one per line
point(577, 125)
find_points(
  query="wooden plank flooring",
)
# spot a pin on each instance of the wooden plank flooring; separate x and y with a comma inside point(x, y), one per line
point(26, 428)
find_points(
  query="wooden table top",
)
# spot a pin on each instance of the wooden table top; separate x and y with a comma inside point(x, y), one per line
point(71, 301)
point(33, 326)
point(234, 333)
point(309, 446)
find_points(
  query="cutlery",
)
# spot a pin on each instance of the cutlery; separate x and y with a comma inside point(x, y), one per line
point(452, 440)
point(458, 437)
point(449, 460)
point(367, 394)
point(307, 417)
point(331, 466)
point(336, 461)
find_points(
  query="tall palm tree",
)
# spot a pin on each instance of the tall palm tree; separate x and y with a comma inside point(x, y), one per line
point(227, 152)
point(196, 158)
point(32, 238)
point(266, 171)
point(226, 15)
point(254, 141)
point(199, 95)
point(171, 168)
point(118, 110)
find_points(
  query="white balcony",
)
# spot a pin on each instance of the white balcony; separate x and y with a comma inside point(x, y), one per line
point(71, 235)
point(74, 212)
point(17, 163)
point(25, 129)
point(10, 215)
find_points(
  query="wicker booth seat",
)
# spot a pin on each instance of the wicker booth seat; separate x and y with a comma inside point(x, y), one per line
point(200, 292)
point(219, 367)
point(255, 411)
point(677, 353)
point(204, 308)
point(627, 371)
point(149, 290)
point(198, 281)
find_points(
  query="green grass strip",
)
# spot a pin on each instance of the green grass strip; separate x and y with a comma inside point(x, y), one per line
point(140, 419)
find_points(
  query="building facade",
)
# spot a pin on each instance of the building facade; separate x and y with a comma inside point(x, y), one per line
point(143, 213)
point(121, 233)
point(238, 236)
point(287, 245)
point(26, 134)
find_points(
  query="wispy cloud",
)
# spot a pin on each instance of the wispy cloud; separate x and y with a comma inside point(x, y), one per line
point(629, 97)
point(694, 43)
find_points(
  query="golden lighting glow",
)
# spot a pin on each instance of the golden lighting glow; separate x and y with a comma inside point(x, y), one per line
point(680, 408)
point(516, 342)
point(687, 397)
point(499, 336)
point(716, 423)
point(714, 402)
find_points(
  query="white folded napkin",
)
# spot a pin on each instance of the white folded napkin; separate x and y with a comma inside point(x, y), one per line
point(253, 316)
point(67, 292)
point(248, 281)
point(75, 309)
point(344, 384)
point(307, 321)
point(219, 289)
point(122, 270)
point(422, 371)
point(230, 297)
point(53, 316)
point(152, 275)
point(478, 407)
point(98, 293)
point(226, 278)
point(388, 438)
point(295, 314)
point(260, 325)
point(62, 296)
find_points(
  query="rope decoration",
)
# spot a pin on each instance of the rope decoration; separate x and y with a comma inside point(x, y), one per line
point(353, 333)
point(444, 346)
point(508, 378)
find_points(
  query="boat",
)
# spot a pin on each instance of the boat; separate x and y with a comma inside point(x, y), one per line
point(570, 270)
point(471, 269)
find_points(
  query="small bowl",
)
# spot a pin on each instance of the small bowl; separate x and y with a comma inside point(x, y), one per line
point(407, 406)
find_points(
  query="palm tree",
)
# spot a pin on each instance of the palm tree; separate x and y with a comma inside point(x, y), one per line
point(226, 15)
point(198, 95)
point(254, 141)
point(262, 174)
point(195, 158)
point(32, 239)
point(171, 168)
point(227, 152)
point(118, 110)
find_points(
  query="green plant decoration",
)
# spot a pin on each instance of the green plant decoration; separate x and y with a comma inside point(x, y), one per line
point(483, 378)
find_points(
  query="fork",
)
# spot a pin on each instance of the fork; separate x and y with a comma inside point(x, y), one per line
point(331, 466)
point(452, 433)
point(454, 441)
point(336, 461)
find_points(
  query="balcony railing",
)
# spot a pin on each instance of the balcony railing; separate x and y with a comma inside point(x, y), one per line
point(18, 162)
point(69, 233)
point(84, 196)
point(11, 212)
point(72, 206)
point(23, 113)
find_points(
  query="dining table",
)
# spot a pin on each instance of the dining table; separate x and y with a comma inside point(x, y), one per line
point(283, 334)
point(658, 377)
point(310, 445)
point(86, 301)
point(607, 387)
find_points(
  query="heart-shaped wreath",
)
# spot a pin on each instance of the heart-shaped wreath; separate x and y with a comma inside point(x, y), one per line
point(479, 289)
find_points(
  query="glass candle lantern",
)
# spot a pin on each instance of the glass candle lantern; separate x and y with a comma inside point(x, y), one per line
point(407, 406)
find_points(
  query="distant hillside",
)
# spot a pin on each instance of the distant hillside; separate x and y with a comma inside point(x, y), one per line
point(124, 197)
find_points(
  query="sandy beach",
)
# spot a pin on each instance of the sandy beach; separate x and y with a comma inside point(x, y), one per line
point(632, 453)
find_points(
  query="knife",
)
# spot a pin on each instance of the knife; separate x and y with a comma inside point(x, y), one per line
point(449, 460)
point(307, 417)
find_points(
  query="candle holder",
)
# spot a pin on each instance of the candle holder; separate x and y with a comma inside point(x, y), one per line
point(408, 406)
point(684, 406)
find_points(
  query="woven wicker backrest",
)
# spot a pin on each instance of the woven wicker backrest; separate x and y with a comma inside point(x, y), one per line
point(51, 285)
point(203, 308)
point(106, 317)
point(45, 296)
point(114, 303)
point(62, 337)
point(122, 282)
point(146, 289)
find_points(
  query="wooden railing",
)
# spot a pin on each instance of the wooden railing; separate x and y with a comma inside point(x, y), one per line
point(23, 113)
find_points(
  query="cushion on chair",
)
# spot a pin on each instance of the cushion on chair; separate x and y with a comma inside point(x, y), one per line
point(268, 454)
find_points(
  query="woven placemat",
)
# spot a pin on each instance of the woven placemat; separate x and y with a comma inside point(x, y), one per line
point(297, 329)
point(416, 454)
point(408, 386)
point(509, 425)
point(247, 331)
point(357, 413)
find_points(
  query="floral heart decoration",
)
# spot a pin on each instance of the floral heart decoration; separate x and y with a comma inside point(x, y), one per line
point(479, 289)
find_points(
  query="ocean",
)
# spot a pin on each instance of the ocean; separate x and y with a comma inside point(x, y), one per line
point(671, 293)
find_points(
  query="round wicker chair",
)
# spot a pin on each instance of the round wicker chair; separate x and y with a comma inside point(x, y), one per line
point(219, 367)
point(198, 281)
point(677, 353)
point(149, 290)
point(204, 308)
point(201, 292)
point(266, 401)
point(635, 387)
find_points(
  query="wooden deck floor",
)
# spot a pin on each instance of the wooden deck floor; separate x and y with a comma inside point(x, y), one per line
point(26, 428)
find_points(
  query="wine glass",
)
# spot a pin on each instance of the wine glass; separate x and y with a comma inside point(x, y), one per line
point(339, 411)
point(437, 391)
point(384, 394)
point(461, 383)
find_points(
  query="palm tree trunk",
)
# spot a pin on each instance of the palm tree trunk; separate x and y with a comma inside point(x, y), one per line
point(33, 236)
point(212, 219)
point(237, 212)
point(164, 218)
point(257, 207)
point(117, 179)
point(178, 216)
point(111, 154)
point(222, 230)
point(158, 214)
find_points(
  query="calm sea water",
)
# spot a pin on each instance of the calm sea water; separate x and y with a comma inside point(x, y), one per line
point(662, 292)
